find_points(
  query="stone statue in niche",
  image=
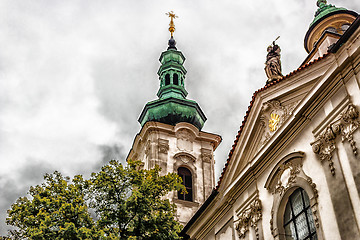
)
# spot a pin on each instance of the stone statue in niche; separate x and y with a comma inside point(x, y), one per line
point(273, 63)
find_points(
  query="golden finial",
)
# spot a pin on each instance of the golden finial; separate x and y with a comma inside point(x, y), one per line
point(172, 25)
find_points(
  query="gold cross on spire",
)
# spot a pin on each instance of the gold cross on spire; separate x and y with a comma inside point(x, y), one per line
point(172, 25)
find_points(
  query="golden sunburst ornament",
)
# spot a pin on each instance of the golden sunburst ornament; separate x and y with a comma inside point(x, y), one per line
point(274, 122)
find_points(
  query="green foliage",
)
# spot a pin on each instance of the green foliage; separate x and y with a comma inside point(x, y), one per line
point(56, 210)
point(129, 203)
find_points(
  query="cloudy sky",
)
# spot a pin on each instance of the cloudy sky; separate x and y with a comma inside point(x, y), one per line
point(75, 75)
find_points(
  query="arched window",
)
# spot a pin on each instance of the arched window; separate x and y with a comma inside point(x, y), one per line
point(298, 220)
point(167, 79)
point(176, 79)
point(185, 174)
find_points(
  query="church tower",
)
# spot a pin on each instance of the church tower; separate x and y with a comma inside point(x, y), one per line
point(171, 134)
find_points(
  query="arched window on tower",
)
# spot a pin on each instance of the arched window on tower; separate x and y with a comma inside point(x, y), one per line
point(185, 174)
point(176, 79)
point(298, 219)
point(167, 79)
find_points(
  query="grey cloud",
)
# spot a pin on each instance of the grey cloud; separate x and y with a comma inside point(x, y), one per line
point(17, 184)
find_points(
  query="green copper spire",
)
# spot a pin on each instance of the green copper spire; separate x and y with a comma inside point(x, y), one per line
point(172, 106)
point(324, 9)
point(172, 73)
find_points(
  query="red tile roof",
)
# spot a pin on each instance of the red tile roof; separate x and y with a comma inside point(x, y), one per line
point(250, 106)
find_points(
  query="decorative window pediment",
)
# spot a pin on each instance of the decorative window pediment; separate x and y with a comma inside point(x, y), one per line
point(184, 158)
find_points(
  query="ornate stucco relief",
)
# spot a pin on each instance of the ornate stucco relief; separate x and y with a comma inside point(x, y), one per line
point(272, 116)
point(184, 158)
point(163, 145)
point(249, 217)
point(286, 177)
point(185, 140)
point(206, 155)
point(345, 125)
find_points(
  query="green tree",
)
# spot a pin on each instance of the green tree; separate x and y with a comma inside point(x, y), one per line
point(129, 203)
point(56, 210)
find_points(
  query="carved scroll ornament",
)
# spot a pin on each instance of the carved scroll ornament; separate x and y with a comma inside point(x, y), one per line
point(206, 155)
point(286, 177)
point(249, 218)
point(344, 126)
point(163, 146)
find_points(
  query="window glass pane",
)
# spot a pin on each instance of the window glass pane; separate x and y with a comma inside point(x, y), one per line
point(180, 195)
point(290, 232)
point(188, 196)
point(185, 175)
point(298, 219)
point(344, 27)
point(331, 29)
point(176, 79)
point(306, 199)
point(188, 181)
point(184, 171)
point(288, 214)
point(167, 79)
point(301, 226)
point(297, 204)
point(314, 237)
point(311, 221)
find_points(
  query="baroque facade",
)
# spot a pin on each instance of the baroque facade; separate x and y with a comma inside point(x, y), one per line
point(294, 169)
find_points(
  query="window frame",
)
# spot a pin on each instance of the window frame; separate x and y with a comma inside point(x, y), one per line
point(191, 188)
point(294, 216)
